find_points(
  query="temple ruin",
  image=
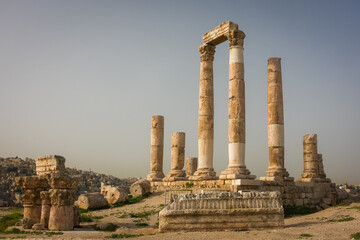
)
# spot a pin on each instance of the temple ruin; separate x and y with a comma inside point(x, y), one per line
point(49, 196)
point(313, 189)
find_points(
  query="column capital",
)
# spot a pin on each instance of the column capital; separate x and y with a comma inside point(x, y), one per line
point(207, 52)
point(236, 38)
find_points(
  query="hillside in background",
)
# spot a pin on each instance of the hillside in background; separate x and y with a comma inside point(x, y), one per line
point(14, 167)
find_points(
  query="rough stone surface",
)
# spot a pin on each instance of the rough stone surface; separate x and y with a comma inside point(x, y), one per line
point(140, 188)
point(61, 218)
point(50, 164)
point(156, 149)
point(191, 166)
point(224, 211)
point(114, 195)
point(92, 201)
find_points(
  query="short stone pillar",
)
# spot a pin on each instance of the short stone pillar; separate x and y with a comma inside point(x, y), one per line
point(191, 166)
point(62, 209)
point(177, 157)
point(45, 208)
point(311, 157)
point(205, 170)
point(156, 150)
point(276, 170)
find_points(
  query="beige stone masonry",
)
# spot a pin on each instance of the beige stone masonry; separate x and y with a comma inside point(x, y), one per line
point(50, 164)
point(156, 149)
point(191, 166)
point(177, 157)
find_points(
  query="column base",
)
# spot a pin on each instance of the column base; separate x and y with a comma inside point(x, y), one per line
point(155, 176)
point(175, 175)
point(204, 174)
point(236, 173)
point(310, 174)
point(321, 180)
point(277, 172)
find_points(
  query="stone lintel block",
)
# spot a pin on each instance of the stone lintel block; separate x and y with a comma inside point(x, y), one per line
point(249, 182)
point(32, 182)
point(50, 164)
point(219, 34)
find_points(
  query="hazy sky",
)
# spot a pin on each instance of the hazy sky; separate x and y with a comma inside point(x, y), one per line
point(82, 79)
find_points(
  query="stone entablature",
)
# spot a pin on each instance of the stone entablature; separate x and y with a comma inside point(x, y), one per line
point(235, 211)
point(50, 164)
point(220, 33)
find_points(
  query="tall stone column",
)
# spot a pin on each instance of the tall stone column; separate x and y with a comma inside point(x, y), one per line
point(205, 169)
point(236, 149)
point(191, 166)
point(157, 149)
point(177, 157)
point(276, 170)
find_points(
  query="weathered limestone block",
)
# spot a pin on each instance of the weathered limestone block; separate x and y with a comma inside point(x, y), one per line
point(114, 195)
point(50, 164)
point(226, 211)
point(140, 188)
point(32, 204)
point(31, 182)
point(92, 201)
point(62, 181)
point(156, 149)
point(191, 166)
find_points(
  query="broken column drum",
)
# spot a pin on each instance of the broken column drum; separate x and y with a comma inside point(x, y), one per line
point(275, 121)
point(177, 157)
point(157, 148)
point(45, 208)
point(311, 163)
point(191, 166)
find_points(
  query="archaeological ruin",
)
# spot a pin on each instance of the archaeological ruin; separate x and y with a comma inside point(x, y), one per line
point(49, 196)
point(313, 189)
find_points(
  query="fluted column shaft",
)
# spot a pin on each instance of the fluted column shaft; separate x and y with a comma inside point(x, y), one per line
point(156, 149)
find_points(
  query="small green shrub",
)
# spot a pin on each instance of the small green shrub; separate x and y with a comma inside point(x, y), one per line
point(343, 219)
point(54, 233)
point(15, 231)
point(355, 235)
point(189, 185)
point(342, 204)
point(141, 224)
point(305, 235)
point(124, 235)
point(123, 215)
point(109, 228)
point(9, 220)
point(86, 218)
point(141, 214)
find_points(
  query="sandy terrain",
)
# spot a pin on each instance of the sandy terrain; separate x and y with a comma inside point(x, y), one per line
point(317, 224)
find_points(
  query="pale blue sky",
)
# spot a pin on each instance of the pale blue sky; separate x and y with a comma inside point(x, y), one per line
point(82, 79)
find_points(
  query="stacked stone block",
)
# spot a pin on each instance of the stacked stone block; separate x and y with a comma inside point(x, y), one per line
point(191, 166)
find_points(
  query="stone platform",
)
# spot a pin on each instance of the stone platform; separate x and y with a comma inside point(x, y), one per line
point(224, 211)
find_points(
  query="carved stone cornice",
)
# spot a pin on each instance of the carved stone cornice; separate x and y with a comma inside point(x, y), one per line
point(207, 52)
point(236, 38)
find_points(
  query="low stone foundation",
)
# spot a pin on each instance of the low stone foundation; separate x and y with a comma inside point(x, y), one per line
point(224, 211)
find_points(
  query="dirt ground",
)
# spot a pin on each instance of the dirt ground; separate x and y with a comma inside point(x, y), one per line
point(131, 219)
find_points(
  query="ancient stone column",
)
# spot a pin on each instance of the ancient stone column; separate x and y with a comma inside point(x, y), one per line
point(156, 150)
point(32, 204)
point(61, 216)
point(311, 157)
point(191, 166)
point(236, 168)
point(45, 208)
point(177, 157)
point(205, 169)
point(276, 170)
